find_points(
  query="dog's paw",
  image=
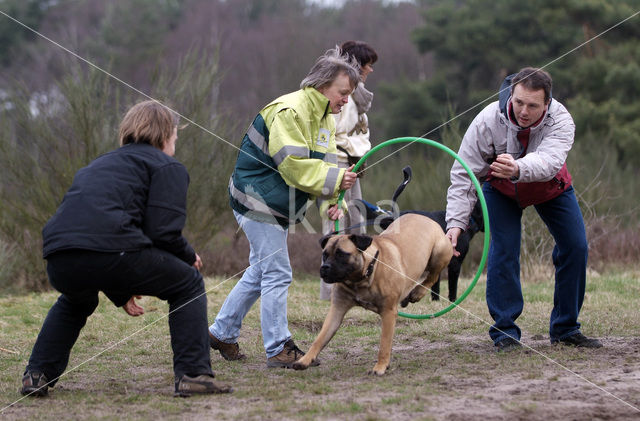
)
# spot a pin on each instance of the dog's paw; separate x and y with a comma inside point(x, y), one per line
point(414, 296)
point(378, 370)
point(409, 299)
point(299, 366)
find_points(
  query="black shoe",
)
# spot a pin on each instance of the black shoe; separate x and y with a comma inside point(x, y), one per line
point(508, 344)
point(578, 340)
point(202, 384)
point(34, 383)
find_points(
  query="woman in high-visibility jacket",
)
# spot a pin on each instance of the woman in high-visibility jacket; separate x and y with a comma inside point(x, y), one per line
point(287, 157)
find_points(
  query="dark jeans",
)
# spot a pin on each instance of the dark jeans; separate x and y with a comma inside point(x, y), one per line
point(563, 218)
point(80, 274)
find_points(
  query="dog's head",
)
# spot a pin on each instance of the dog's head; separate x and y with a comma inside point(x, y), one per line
point(342, 257)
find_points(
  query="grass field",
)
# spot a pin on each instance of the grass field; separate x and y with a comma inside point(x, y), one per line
point(444, 368)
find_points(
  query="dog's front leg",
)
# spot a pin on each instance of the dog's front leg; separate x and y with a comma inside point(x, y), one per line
point(331, 324)
point(388, 316)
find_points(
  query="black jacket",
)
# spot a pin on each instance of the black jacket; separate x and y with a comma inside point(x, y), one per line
point(125, 200)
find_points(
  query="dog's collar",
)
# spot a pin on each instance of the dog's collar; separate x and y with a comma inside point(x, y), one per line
point(371, 267)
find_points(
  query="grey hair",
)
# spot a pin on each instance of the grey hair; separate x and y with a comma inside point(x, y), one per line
point(328, 66)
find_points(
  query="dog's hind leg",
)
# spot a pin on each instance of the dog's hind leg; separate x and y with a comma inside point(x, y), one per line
point(440, 258)
point(420, 290)
point(331, 324)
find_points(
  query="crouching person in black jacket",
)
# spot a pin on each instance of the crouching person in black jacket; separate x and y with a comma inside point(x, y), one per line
point(119, 231)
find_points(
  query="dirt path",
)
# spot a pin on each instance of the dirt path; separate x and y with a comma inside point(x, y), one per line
point(577, 385)
point(462, 378)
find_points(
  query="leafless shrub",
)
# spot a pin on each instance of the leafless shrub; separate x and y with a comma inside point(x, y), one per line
point(43, 144)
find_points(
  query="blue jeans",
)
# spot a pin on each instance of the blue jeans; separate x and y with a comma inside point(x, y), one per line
point(268, 277)
point(563, 218)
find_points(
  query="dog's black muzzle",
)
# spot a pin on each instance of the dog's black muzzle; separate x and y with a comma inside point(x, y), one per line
point(325, 274)
point(333, 275)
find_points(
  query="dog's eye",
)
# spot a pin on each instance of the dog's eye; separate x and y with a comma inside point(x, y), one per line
point(341, 254)
point(325, 255)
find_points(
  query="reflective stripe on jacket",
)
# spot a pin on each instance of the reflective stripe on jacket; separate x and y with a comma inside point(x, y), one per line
point(287, 157)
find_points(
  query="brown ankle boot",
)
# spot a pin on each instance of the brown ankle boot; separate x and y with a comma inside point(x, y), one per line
point(289, 354)
point(229, 352)
point(202, 384)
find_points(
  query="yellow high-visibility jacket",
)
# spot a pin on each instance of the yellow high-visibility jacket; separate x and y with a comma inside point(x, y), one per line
point(287, 157)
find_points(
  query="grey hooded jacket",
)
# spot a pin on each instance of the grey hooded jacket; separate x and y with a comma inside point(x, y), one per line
point(492, 133)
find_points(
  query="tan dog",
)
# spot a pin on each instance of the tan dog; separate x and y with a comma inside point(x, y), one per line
point(378, 273)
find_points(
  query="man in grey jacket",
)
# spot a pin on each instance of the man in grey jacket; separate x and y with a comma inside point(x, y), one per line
point(518, 146)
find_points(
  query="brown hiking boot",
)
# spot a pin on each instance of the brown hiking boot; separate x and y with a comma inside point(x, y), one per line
point(289, 355)
point(229, 352)
point(202, 384)
point(34, 383)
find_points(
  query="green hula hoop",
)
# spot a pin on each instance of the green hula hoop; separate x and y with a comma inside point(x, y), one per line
point(485, 215)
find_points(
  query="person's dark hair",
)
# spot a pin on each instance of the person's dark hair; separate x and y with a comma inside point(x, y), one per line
point(533, 79)
point(361, 51)
point(148, 122)
point(327, 68)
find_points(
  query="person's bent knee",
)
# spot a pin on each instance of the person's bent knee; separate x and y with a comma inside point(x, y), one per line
point(192, 287)
point(83, 306)
point(577, 246)
point(581, 248)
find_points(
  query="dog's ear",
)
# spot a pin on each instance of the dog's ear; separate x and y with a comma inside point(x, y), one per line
point(323, 240)
point(362, 242)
